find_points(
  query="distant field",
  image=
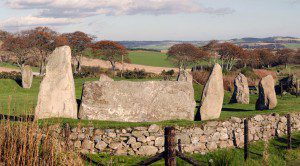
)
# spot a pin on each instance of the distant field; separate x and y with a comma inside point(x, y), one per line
point(150, 58)
point(293, 45)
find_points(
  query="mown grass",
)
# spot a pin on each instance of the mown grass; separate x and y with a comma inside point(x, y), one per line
point(12, 66)
point(277, 155)
point(14, 100)
point(150, 58)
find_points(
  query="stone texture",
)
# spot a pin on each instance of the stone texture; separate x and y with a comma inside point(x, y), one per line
point(184, 75)
point(241, 90)
point(104, 77)
point(214, 135)
point(57, 91)
point(267, 96)
point(27, 77)
point(127, 101)
point(212, 95)
point(147, 150)
point(153, 128)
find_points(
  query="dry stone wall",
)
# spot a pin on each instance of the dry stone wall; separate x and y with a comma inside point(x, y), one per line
point(195, 139)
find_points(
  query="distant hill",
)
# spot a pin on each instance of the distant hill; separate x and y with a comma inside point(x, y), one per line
point(247, 42)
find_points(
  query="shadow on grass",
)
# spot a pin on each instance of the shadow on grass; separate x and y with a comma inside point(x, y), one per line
point(235, 110)
point(281, 143)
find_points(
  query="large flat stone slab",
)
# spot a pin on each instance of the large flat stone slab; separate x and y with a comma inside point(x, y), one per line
point(128, 101)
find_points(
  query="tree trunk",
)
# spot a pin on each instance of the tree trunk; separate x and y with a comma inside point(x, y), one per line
point(78, 68)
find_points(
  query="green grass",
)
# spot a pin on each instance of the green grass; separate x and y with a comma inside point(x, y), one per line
point(14, 100)
point(12, 66)
point(278, 155)
point(149, 58)
point(292, 45)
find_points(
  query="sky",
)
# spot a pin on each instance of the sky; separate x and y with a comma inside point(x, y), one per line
point(156, 19)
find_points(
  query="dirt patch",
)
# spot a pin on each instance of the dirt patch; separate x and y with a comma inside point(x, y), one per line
point(127, 66)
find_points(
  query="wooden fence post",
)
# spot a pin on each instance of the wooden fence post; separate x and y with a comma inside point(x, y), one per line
point(289, 137)
point(245, 139)
point(170, 146)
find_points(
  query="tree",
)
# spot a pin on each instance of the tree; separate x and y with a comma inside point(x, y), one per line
point(229, 54)
point(185, 54)
point(44, 40)
point(78, 41)
point(4, 35)
point(285, 56)
point(19, 45)
point(265, 56)
point(111, 51)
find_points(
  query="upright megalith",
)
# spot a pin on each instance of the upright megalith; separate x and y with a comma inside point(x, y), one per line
point(267, 96)
point(128, 101)
point(184, 75)
point(212, 95)
point(104, 77)
point(57, 90)
point(241, 90)
point(27, 76)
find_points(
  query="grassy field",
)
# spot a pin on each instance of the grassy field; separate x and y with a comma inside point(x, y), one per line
point(11, 66)
point(15, 100)
point(292, 45)
point(276, 155)
point(149, 58)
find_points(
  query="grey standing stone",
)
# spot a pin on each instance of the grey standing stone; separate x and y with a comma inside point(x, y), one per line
point(127, 101)
point(241, 90)
point(104, 77)
point(184, 75)
point(57, 91)
point(212, 95)
point(27, 77)
point(267, 96)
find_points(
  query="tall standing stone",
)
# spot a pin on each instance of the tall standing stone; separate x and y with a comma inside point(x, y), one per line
point(57, 90)
point(212, 95)
point(241, 90)
point(267, 96)
point(184, 75)
point(27, 77)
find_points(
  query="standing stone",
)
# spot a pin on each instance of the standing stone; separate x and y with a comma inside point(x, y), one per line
point(184, 75)
point(212, 95)
point(267, 96)
point(104, 77)
point(241, 90)
point(27, 77)
point(128, 101)
point(57, 91)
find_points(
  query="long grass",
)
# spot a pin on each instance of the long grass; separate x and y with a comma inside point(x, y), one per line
point(25, 143)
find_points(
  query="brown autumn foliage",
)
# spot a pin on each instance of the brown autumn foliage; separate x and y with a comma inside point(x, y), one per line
point(285, 56)
point(229, 54)
point(18, 44)
point(78, 41)
point(265, 57)
point(43, 41)
point(186, 54)
point(111, 51)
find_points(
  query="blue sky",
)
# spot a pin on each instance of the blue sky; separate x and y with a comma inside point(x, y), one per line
point(156, 19)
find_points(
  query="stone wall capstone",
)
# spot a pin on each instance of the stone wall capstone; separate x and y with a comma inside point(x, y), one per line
point(129, 101)
point(57, 90)
point(202, 138)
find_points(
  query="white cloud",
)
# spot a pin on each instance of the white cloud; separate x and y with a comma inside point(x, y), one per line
point(32, 21)
point(85, 8)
